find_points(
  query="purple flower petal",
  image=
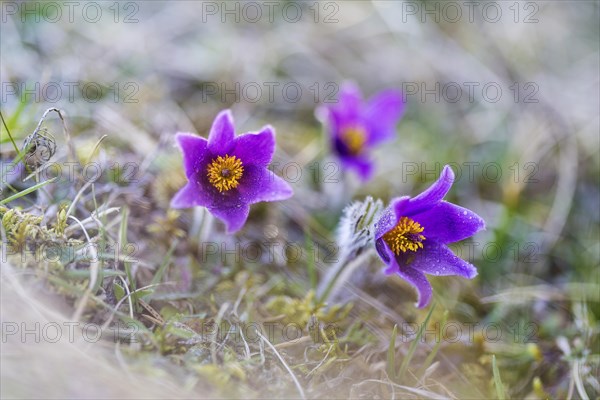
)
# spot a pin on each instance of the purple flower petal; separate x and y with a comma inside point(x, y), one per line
point(381, 248)
point(222, 132)
point(191, 195)
point(330, 119)
point(349, 103)
point(420, 282)
point(430, 197)
point(381, 115)
point(414, 277)
point(442, 222)
point(276, 189)
point(437, 259)
point(362, 166)
point(260, 184)
point(194, 152)
point(256, 148)
point(227, 174)
point(449, 223)
point(346, 112)
point(354, 127)
point(233, 217)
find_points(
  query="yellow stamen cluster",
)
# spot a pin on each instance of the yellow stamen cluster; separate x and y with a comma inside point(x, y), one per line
point(225, 173)
point(354, 138)
point(405, 236)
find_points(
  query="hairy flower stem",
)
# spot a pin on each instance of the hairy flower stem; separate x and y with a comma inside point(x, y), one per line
point(340, 274)
point(355, 240)
point(207, 225)
point(202, 226)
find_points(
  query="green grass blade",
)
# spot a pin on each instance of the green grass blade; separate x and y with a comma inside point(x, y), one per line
point(100, 277)
point(497, 380)
point(26, 191)
point(12, 121)
point(85, 274)
point(8, 134)
point(391, 355)
point(310, 262)
point(435, 349)
point(413, 345)
point(122, 244)
point(163, 267)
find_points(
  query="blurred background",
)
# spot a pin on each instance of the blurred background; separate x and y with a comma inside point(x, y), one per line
point(507, 93)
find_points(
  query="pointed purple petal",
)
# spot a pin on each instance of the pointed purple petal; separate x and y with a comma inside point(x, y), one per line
point(275, 189)
point(346, 112)
point(448, 223)
point(222, 132)
point(381, 248)
point(414, 277)
point(386, 221)
point(199, 192)
point(436, 192)
point(362, 166)
point(256, 148)
point(260, 184)
point(349, 103)
point(233, 217)
point(331, 120)
point(430, 197)
point(420, 282)
point(437, 259)
point(194, 152)
point(382, 114)
point(191, 195)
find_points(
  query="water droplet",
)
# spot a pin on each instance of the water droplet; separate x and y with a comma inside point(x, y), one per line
point(464, 213)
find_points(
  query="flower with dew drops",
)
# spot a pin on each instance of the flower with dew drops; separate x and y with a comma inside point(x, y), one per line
point(227, 173)
point(412, 233)
point(355, 127)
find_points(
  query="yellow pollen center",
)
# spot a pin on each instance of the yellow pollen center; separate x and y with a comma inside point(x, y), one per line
point(225, 173)
point(405, 236)
point(354, 138)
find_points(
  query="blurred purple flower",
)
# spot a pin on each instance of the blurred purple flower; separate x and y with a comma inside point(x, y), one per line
point(412, 233)
point(356, 127)
point(226, 173)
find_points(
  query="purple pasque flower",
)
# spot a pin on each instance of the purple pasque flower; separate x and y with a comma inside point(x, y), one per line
point(356, 127)
point(412, 234)
point(226, 173)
